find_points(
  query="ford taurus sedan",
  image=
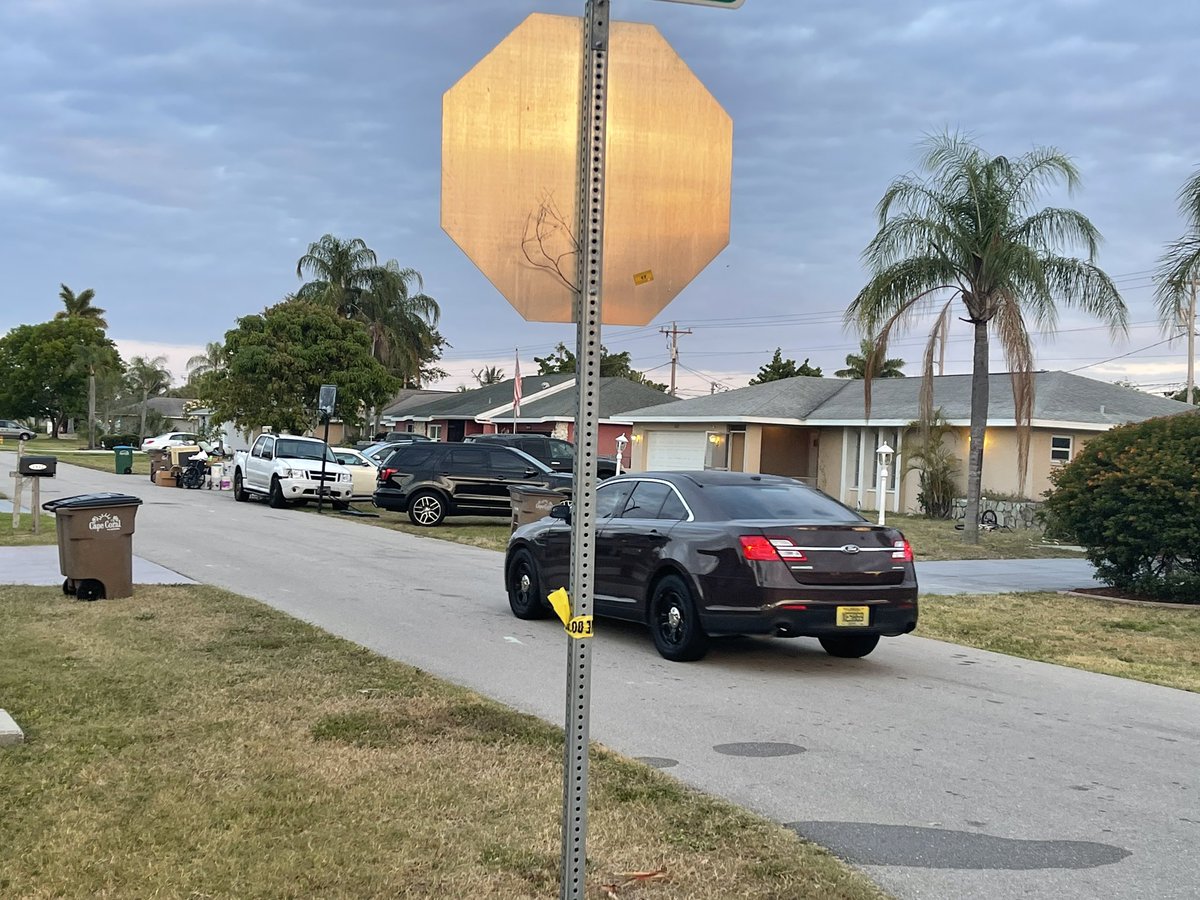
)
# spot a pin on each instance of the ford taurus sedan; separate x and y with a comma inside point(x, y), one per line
point(698, 554)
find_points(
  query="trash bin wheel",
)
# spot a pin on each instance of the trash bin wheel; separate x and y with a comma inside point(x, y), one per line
point(89, 589)
point(68, 587)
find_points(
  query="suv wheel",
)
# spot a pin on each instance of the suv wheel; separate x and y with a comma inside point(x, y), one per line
point(427, 509)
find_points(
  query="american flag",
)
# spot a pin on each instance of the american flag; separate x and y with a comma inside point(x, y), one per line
point(517, 392)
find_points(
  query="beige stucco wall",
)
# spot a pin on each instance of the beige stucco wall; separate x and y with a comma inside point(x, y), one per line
point(788, 450)
point(1000, 472)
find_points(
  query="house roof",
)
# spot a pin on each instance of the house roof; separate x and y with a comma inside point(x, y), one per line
point(470, 404)
point(1060, 398)
point(168, 407)
point(616, 396)
point(408, 398)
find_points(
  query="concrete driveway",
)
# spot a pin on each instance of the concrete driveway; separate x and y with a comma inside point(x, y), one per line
point(941, 771)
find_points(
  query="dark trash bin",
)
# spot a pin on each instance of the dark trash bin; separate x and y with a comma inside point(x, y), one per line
point(124, 460)
point(532, 503)
point(95, 543)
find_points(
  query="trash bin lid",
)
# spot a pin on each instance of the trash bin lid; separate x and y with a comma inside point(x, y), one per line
point(90, 501)
point(124, 447)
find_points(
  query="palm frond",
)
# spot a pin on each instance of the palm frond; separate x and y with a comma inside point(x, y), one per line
point(1052, 228)
point(1086, 286)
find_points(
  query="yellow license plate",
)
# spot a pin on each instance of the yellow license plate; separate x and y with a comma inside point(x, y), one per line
point(853, 615)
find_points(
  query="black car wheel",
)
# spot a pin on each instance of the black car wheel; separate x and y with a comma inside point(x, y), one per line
point(678, 634)
point(426, 509)
point(239, 492)
point(276, 498)
point(525, 587)
point(849, 646)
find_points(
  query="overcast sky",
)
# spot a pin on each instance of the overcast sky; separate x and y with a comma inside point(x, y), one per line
point(179, 155)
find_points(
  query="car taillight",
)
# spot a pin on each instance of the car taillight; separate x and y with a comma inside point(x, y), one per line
point(764, 549)
point(903, 550)
point(385, 474)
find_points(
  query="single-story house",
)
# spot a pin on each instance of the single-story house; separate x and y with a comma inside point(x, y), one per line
point(175, 410)
point(547, 407)
point(816, 429)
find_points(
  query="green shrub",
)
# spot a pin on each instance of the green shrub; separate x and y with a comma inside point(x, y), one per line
point(936, 467)
point(119, 440)
point(1131, 498)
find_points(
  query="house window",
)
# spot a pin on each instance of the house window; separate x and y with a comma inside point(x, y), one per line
point(1060, 448)
point(435, 432)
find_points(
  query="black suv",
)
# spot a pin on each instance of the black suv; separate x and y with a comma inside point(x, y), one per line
point(432, 480)
point(558, 454)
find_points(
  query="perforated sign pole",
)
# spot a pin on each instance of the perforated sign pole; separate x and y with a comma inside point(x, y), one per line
point(590, 237)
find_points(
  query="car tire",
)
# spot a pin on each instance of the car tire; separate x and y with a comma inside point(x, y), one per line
point(849, 646)
point(239, 491)
point(25, 436)
point(525, 587)
point(678, 634)
point(275, 498)
point(426, 509)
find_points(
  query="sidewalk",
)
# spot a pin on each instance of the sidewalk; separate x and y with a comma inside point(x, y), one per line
point(39, 566)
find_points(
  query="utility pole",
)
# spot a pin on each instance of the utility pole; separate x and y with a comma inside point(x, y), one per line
point(1191, 337)
point(674, 332)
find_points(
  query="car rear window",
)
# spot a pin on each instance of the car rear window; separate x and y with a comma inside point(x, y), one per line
point(777, 500)
point(412, 456)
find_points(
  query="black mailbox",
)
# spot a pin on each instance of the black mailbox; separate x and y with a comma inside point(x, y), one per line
point(37, 466)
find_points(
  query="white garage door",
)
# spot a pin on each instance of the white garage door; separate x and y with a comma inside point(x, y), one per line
point(680, 450)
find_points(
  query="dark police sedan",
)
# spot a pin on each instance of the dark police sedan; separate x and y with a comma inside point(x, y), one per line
point(696, 554)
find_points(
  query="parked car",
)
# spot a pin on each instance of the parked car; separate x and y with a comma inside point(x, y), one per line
point(170, 439)
point(10, 428)
point(556, 453)
point(431, 480)
point(363, 472)
point(289, 469)
point(379, 451)
point(696, 554)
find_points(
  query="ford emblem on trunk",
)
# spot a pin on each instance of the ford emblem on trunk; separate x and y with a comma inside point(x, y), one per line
point(850, 548)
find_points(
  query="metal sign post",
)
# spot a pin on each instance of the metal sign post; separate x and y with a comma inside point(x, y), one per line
point(326, 402)
point(593, 123)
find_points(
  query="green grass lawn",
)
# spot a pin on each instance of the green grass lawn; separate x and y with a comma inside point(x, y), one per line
point(187, 742)
point(23, 535)
point(1147, 643)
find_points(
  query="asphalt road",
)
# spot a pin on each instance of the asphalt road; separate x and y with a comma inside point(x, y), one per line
point(941, 771)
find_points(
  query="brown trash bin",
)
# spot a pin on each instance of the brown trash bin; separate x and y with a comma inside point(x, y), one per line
point(95, 543)
point(532, 503)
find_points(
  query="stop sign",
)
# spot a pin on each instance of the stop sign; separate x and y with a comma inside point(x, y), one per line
point(510, 182)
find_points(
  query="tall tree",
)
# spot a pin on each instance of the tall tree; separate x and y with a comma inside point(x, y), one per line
point(1179, 275)
point(278, 360)
point(401, 320)
point(147, 377)
point(489, 375)
point(612, 365)
point(97, 360)
point(971, 231)
point(79, 306)
point(40, 374)
point(339, 272)
point(779, 368)
point(857, 364)
point(211, 360)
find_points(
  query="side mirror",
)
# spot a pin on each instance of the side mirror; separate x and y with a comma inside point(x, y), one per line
point(532, 473)
point(562, 511)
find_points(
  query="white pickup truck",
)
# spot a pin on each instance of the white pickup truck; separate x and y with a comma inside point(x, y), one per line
point(287, 469)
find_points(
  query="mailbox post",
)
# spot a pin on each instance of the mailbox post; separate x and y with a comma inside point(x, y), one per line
point(32, 469)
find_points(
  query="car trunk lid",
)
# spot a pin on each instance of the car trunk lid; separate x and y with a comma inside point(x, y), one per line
point(846, 554)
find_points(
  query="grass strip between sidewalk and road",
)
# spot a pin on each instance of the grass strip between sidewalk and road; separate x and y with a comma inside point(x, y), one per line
point(1146, 643)
point(187, 742)
point(24, 536)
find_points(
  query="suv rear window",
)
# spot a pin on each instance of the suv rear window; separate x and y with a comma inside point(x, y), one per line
point(413, 455)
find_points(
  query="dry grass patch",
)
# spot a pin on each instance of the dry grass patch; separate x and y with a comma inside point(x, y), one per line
point(936, 539)
point(190, 743)
point(103, 461)
point(488, 532)
point(1154, 644)
point(23, 536)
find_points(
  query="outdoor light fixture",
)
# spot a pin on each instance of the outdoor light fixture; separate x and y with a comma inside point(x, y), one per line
point(885, 456)
point(621, 442)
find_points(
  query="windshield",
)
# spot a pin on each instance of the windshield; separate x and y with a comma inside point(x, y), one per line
point(303, 450)
point(778, 500)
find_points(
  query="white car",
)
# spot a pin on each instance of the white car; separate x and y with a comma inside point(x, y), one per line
point(363, 472)
point(170, 439)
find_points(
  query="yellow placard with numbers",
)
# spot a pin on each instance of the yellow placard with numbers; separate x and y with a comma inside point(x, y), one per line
point(577, 627)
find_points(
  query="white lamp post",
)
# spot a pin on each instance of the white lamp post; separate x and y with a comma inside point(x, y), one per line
point(885, 455)
point(621, 442)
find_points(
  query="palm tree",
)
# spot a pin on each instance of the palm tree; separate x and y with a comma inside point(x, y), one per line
point(971, 231)
point(339, 272)
point(79, 306)
point(856, 364)
point(211, 360)
point(400, 318)
point(96, 360)
point(1179, 275)
point(147, 378)
point(489, 375)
